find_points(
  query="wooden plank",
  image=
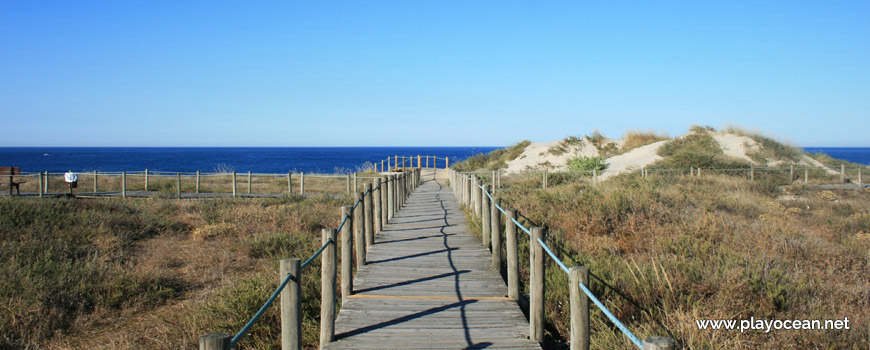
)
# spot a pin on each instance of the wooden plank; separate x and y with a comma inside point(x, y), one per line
point(428, 284)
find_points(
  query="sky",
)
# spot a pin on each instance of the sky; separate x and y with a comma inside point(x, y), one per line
point(427, 73)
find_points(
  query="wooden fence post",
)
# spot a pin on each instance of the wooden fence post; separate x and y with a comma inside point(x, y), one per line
point(95, 181)
point(382, 165)
point(419, 165)
point(369, 217)
point(391, 187)
point(359, 239)
point(197, 181)
point(384, 211)
point(842, 173)
point(146, 180)
point(40, 185)
point(249, 182)
point(468, 193)
point(178, 186)
point(544, 181)
point(346, 252)
point(495, 231)
point(302, 182)
point(579, 308)
point(123, 184)
point(446, 162)
point(476, 200)
point(289, 182)
point(860, 178)
point(291, 305)
point(215, 341)
point(791, 173)
point(485, 220)
point(234, 183)
point(659, 343)
point(355, 185)
point(347, 178)
point(327, 289)
point(379, 225)
point(752, 173)
point(536, 286)
point(806, 174)
point(594, 176)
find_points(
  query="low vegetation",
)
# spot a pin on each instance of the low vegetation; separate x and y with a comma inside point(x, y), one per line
point(606, 148)
point(696, 149)
point(586, 164)
point(156, 273)
point(637, 138)
point(770, 149)
point(492, 160)
point(668, 250)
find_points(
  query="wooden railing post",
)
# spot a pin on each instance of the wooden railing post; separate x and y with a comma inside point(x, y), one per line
point(197, 181)
point(390, 203)
point(355, 186)
point(146, 180)
point(234, 183)
point(291, 305)
point(806, 174)
point(215, 341)
point(579, 308)
point(379, 224)
point(249, 182)
point(359, 231)
point(842, 173)
point(476, 200)
point(327, 289)
point(419, 165)
point(468, 185)
point(536, 286)
point(485, 220)
point(446, 162)
point(40, 185)
point(495, 231)
point(178, 186)
point(860, 178)
point(659, 343)
point(347, 178)
point(369, 217)
point(346, 252)
point(544, 181)
point(301, 182)
point(752, 173)
point(95, 181)
point(123, 184)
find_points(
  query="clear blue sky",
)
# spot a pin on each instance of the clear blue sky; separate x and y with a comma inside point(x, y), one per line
point(427, 73)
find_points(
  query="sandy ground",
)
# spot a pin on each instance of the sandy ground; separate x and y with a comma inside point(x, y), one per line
point(537, 155)
point(735, 145)
point(632, 160)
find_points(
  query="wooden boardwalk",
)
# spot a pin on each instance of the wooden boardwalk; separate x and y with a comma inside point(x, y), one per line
point(429, 284)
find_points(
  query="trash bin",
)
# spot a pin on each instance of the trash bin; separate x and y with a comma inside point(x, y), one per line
point(71, 179)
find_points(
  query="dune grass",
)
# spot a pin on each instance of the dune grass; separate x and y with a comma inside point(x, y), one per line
point(151, 273)
point(696, 149)
point(492, 160)
point(771, 149)
point(663, 253)
point(637, 138)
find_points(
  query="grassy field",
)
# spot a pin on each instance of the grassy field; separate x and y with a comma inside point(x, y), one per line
point(668, 250)
point(152, 273)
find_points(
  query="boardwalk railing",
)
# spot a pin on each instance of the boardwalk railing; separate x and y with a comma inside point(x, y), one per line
point(787, 174)
point(397, 162)
point(373, 208)
point(479, 199)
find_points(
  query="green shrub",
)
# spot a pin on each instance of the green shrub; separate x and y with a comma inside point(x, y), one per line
point(586, 164)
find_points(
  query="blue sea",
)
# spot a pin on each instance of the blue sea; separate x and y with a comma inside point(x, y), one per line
point(258, 159)
point(210, 159)
point(860, 155)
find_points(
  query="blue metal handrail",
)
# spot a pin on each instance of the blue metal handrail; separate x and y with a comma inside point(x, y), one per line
point(244, 331)
point(585, 289)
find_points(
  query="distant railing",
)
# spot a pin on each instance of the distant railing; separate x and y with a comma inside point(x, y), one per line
point(477, 197)
point(360, 223)
point(809, 175)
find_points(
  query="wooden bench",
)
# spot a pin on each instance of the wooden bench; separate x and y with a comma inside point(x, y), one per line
point(11, 172)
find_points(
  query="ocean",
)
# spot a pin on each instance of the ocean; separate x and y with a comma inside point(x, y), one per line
point(211, 159)
point(860, 155)
point(257, 159)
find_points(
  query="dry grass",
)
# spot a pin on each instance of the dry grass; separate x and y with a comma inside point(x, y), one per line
point(668, 250)
point(151, 274)
point(637, 138)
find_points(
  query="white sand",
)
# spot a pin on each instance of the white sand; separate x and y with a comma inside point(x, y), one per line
point(537, 156)
point(806, 160)
point(735, 146)
point(632, 160)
